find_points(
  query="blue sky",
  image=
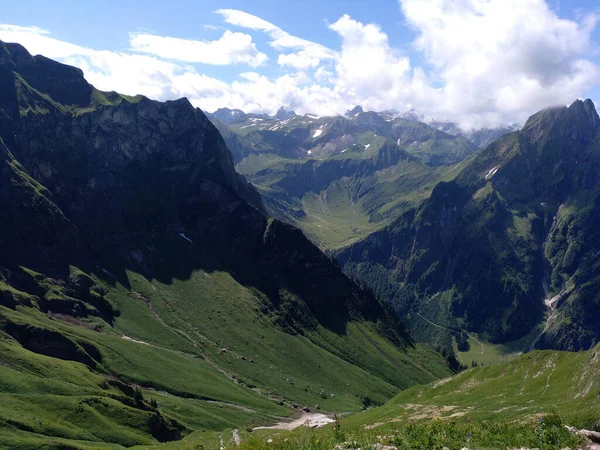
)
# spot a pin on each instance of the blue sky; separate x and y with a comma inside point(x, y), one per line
point(478, 62)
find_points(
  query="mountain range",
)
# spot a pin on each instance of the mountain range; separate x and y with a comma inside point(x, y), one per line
point(340, 178)
point(138, 268)
point(167, 276)
point(486, 232)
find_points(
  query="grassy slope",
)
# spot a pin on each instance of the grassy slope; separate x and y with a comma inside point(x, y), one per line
point(182, 325)
point(351, 208)
point(494, 408)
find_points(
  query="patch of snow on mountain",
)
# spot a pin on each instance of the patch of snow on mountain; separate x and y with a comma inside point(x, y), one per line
point(491, 173)
point(317, 133)
point(186, 238)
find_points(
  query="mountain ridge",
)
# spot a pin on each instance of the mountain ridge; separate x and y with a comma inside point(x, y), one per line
point(491, 224)
point(135, 253)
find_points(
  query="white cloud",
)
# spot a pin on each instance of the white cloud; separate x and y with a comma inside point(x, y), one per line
point(367, 68)
point(308, 53)
point(489, 62)
point(500, 60)
point(123, 72)
point(229, 49)
point(38, 41)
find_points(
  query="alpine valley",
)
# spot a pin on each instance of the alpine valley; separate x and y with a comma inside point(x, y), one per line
point(163, 281)
point(472, 242)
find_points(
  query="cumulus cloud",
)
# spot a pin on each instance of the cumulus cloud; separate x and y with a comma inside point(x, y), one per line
point(307, 53)
point(229, 49)
point(367, 68)
point(499, 60)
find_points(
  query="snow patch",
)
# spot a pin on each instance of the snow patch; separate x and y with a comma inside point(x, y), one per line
point(317, 133)
point(313, 116)
point(343, 150)
point(186, 238)
point(492, 172)
point(367, 146)
point(309, 152)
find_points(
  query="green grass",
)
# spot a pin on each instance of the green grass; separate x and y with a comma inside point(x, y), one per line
point(182, 326)
point(524, 403)
point(549, 434)
point(485, 353)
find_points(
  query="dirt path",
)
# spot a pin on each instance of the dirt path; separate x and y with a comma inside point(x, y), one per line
point(235, 435)
point(448, 329)
point(473, 337)
point(432, 323)
point(310, 420)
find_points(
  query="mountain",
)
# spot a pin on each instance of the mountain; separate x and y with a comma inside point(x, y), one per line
point(144, 293)
point(341, 178)
point(313, 137)
point(284, 114)
point(228, 116)
point(354, 111)
point(480, 137)
point(507, 249)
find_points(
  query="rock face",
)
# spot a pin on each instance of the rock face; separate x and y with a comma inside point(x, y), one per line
point(518, 224)
point(284, 114)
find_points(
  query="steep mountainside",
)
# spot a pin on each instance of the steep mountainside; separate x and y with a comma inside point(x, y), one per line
point(513, 236)
point(137, 266)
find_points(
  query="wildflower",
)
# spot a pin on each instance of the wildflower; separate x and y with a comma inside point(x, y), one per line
point(469, 434)
point(269, 441)
point(468, 419)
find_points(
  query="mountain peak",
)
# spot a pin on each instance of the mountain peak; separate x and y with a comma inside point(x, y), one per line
point(63, 83)
point(579, 121)
point(227, 115)
point(585, 111)
point(354, 111)
point(283, 113)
